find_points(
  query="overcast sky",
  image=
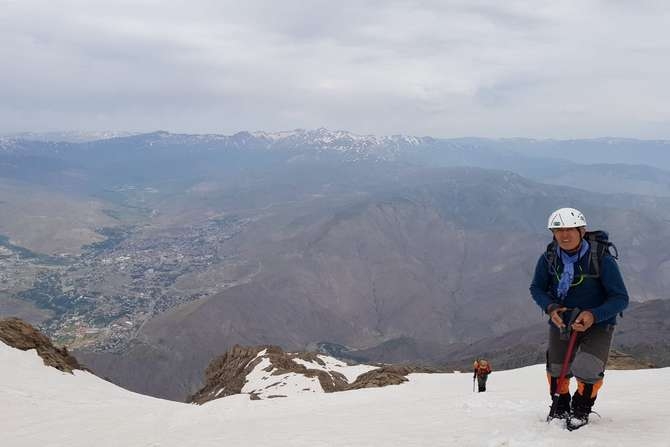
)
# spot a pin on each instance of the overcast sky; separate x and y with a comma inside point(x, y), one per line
point(554, 69)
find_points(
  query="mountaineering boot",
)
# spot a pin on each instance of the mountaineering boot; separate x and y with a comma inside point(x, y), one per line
point(576, 420)
point(562, 408)
point(582, 402)
point(559, 390)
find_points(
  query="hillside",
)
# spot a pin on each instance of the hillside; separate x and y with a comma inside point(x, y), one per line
point(391, 246)
point(445, 262)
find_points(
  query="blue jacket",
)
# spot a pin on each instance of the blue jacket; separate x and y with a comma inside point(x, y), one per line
point(605, 296)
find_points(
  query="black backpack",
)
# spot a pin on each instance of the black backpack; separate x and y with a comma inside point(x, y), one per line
point(600, 247)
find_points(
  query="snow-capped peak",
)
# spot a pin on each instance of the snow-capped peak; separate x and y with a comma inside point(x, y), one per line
point(326, 137)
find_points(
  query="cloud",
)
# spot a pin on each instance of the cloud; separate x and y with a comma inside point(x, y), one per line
point(441, 68)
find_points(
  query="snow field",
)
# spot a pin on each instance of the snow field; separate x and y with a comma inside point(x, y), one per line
point(40, 406)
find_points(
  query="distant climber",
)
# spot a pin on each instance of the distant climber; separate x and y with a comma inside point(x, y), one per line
point(481, 370)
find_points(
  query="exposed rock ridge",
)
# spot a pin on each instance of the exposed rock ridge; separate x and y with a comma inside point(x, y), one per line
point(21, 335)
point(385, 375)
point(330, 381)
point(226, 375)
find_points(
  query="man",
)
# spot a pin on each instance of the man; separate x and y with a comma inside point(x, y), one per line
point(482, 369)
point(577, 273)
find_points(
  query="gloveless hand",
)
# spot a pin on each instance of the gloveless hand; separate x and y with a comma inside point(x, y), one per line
point(556, 316)
point(584, 320)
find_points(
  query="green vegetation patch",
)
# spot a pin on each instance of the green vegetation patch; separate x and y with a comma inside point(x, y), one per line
point(47, 293)
point(114, 236)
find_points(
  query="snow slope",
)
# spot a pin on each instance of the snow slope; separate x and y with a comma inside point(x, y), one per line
point(40, 406)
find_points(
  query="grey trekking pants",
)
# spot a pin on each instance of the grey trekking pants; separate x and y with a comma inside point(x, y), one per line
point(589, 356)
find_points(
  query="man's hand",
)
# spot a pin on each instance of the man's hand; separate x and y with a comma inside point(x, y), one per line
point(556, 317)
point(583, 321)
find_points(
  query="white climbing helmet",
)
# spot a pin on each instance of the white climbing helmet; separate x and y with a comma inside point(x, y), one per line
point(566, 218)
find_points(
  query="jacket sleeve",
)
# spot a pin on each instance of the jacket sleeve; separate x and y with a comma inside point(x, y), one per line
point(615, 291)
point(539, 287)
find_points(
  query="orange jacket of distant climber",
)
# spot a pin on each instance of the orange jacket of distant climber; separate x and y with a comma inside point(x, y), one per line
point(482, 368)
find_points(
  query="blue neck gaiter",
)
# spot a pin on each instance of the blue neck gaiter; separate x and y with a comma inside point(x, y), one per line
point(569, 268)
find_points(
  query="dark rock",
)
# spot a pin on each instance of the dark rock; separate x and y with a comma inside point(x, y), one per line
point(21, 335)
point(388, 375)
point(227, 374)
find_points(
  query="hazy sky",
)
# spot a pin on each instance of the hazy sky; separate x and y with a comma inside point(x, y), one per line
point(557, 69)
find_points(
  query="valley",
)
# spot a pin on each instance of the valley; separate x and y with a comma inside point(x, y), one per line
point(170, 248)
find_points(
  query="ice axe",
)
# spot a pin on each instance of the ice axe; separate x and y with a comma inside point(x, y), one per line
point(566, 361)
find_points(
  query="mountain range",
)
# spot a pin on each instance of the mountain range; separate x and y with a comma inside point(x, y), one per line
point(414, 249)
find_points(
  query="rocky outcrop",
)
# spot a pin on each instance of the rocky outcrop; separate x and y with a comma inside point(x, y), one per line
point(227, 375)
point(283, 362)
point(21, 335)
point(388, 375)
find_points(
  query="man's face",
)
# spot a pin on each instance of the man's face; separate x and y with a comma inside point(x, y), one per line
point(568, 238)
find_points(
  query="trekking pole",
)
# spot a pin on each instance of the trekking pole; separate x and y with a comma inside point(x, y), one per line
point(473, 384)
point(564, 369)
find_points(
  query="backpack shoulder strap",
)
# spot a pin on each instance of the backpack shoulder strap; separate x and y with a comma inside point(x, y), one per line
point(550, 256)
point(600, 247)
